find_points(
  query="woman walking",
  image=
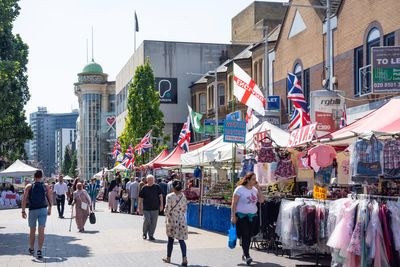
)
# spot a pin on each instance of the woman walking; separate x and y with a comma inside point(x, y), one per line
point(175, 217)
point(113, 195)
point(82, 206)
point(244, 211)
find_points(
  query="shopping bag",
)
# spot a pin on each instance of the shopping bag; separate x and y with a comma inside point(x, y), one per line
point(92, 218)
point(232, 236)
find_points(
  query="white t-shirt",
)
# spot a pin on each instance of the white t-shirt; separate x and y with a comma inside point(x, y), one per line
point(248, 199)
point(60, 189)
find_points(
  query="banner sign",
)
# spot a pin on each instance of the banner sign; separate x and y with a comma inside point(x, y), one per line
point(325, 121)
point(385, 69)
point(320, 192)
point(234, 116)
point(209, 126)
point(273, 102)
point(302, 135)
point(235, 131)
point(167, 89)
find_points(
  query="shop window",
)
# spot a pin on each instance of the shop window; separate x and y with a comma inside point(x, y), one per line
point(221, 95)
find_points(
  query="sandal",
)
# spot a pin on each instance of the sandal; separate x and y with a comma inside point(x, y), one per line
point(39, 254)
point(166, 259)
point(31, 251)
point(184, 262)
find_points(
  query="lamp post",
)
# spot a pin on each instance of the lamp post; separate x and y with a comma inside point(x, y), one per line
point(329, 54)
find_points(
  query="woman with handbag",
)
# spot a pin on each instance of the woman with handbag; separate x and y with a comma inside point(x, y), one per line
point(82, 206)
point(175, 218)
point(244, 211)
point(113, 195)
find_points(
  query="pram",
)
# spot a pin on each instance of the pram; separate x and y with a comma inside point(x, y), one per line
point(125, 204)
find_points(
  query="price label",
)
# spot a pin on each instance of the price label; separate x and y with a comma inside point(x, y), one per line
point(320, 192)
point(273, 188)
point(288, 187)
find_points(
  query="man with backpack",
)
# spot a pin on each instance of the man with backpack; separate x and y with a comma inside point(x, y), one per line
point(39, 197)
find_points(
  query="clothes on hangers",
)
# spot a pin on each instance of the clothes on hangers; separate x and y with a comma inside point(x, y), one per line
point(391, 158)
point(322, 155)
point(265, 172)
point(367, 157)
point(285, 168)
point(343, 167)
point(247, 166)
point(266, 152)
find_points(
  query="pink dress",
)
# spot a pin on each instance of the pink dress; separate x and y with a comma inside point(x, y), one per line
point(324, 156)
point(341, 236)
point(112, 198)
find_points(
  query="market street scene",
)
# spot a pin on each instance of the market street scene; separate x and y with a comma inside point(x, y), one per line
point(200, 133)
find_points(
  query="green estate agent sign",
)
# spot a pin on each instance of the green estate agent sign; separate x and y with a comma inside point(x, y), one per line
point(386, 69)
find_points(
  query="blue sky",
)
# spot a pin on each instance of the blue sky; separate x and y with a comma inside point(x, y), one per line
point(56, 32)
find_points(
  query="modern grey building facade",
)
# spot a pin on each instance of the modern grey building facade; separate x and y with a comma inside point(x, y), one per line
point(42, 148)
point(172, 63)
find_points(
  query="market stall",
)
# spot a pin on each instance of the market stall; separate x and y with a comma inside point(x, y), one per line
point(18, 169)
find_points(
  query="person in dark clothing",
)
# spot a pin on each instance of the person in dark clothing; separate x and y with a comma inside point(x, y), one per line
point(39, 196)
point(152, 199)
point(164, 188)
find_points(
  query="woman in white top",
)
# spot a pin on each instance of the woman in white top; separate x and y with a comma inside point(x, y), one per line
point(244, 211)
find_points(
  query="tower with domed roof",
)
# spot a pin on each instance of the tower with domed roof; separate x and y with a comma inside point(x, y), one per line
point(96, 123)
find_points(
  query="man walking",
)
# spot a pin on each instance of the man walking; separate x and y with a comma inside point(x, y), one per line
point(152, 199)
point(39, 197)
point(134, 193)
point(60, 189)
point(92, 190)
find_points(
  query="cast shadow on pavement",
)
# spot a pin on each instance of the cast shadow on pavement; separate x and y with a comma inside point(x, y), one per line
point(260, 264)
point(56, 248)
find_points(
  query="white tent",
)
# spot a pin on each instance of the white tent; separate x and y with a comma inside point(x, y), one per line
point(68, 178)
point(223, 151)
point(100, 173)
point(218, 150)
point(18, 169)
point(119, 167)
point(196, 157)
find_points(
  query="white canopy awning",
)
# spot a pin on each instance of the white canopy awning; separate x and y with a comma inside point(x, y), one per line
point(218, 150)
point(68, 178)
point(100, 173)
point(119, 167)
point(18, 169)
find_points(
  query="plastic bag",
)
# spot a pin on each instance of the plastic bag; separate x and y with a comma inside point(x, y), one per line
point(232, 237)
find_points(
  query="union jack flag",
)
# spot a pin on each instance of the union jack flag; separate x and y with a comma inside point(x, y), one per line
point(129, 159)
point(144, 145)
point(343, 119)
point(184, 136)
point(117, 149)
point(300, 116)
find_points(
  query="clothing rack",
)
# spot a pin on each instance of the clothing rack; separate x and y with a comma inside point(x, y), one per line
point(367, 197)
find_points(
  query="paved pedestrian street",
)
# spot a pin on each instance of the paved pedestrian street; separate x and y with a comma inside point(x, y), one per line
point(116, 240)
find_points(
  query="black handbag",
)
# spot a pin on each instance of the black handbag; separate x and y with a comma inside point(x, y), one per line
point(92, 218)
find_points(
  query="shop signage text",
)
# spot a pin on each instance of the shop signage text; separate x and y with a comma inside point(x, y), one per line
point(235, 131)
point(167, 89)
point(319, 192)
point(273, 102)
point(386, 69)
point(302, 135)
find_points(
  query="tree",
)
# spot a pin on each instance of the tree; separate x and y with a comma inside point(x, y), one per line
point(67, 161)
point(144, 111)
point(14, 92)
point(74, 165)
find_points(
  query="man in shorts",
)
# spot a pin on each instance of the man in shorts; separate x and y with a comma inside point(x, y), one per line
point(39, 197)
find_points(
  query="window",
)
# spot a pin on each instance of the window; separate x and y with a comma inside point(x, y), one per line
point(211, 96)
point(194, 104)
point(203, 103)
point(358, 63)
point(260, 73)
point(388, 39)
point(255, 72)
point(230, 88)
point(221, 95)
point(372, 41)
point(306, 85)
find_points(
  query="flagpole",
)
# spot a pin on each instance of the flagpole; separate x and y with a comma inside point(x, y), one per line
point(233, 153)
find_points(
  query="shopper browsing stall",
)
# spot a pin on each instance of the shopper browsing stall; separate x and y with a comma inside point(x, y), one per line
point(244, 211)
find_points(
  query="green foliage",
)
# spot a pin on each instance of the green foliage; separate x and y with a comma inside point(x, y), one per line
point(143, 111)
point(74, 165)
point(67, 161)
point(14, 92)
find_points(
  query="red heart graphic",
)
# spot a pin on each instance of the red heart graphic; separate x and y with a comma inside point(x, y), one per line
point(111, 120)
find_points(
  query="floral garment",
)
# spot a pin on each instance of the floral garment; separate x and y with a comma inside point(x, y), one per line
point(175, 216)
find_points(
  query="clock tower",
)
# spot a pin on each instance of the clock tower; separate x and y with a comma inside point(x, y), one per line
point(96, 128)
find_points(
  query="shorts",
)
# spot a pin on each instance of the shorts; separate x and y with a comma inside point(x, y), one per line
point(39, 215)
